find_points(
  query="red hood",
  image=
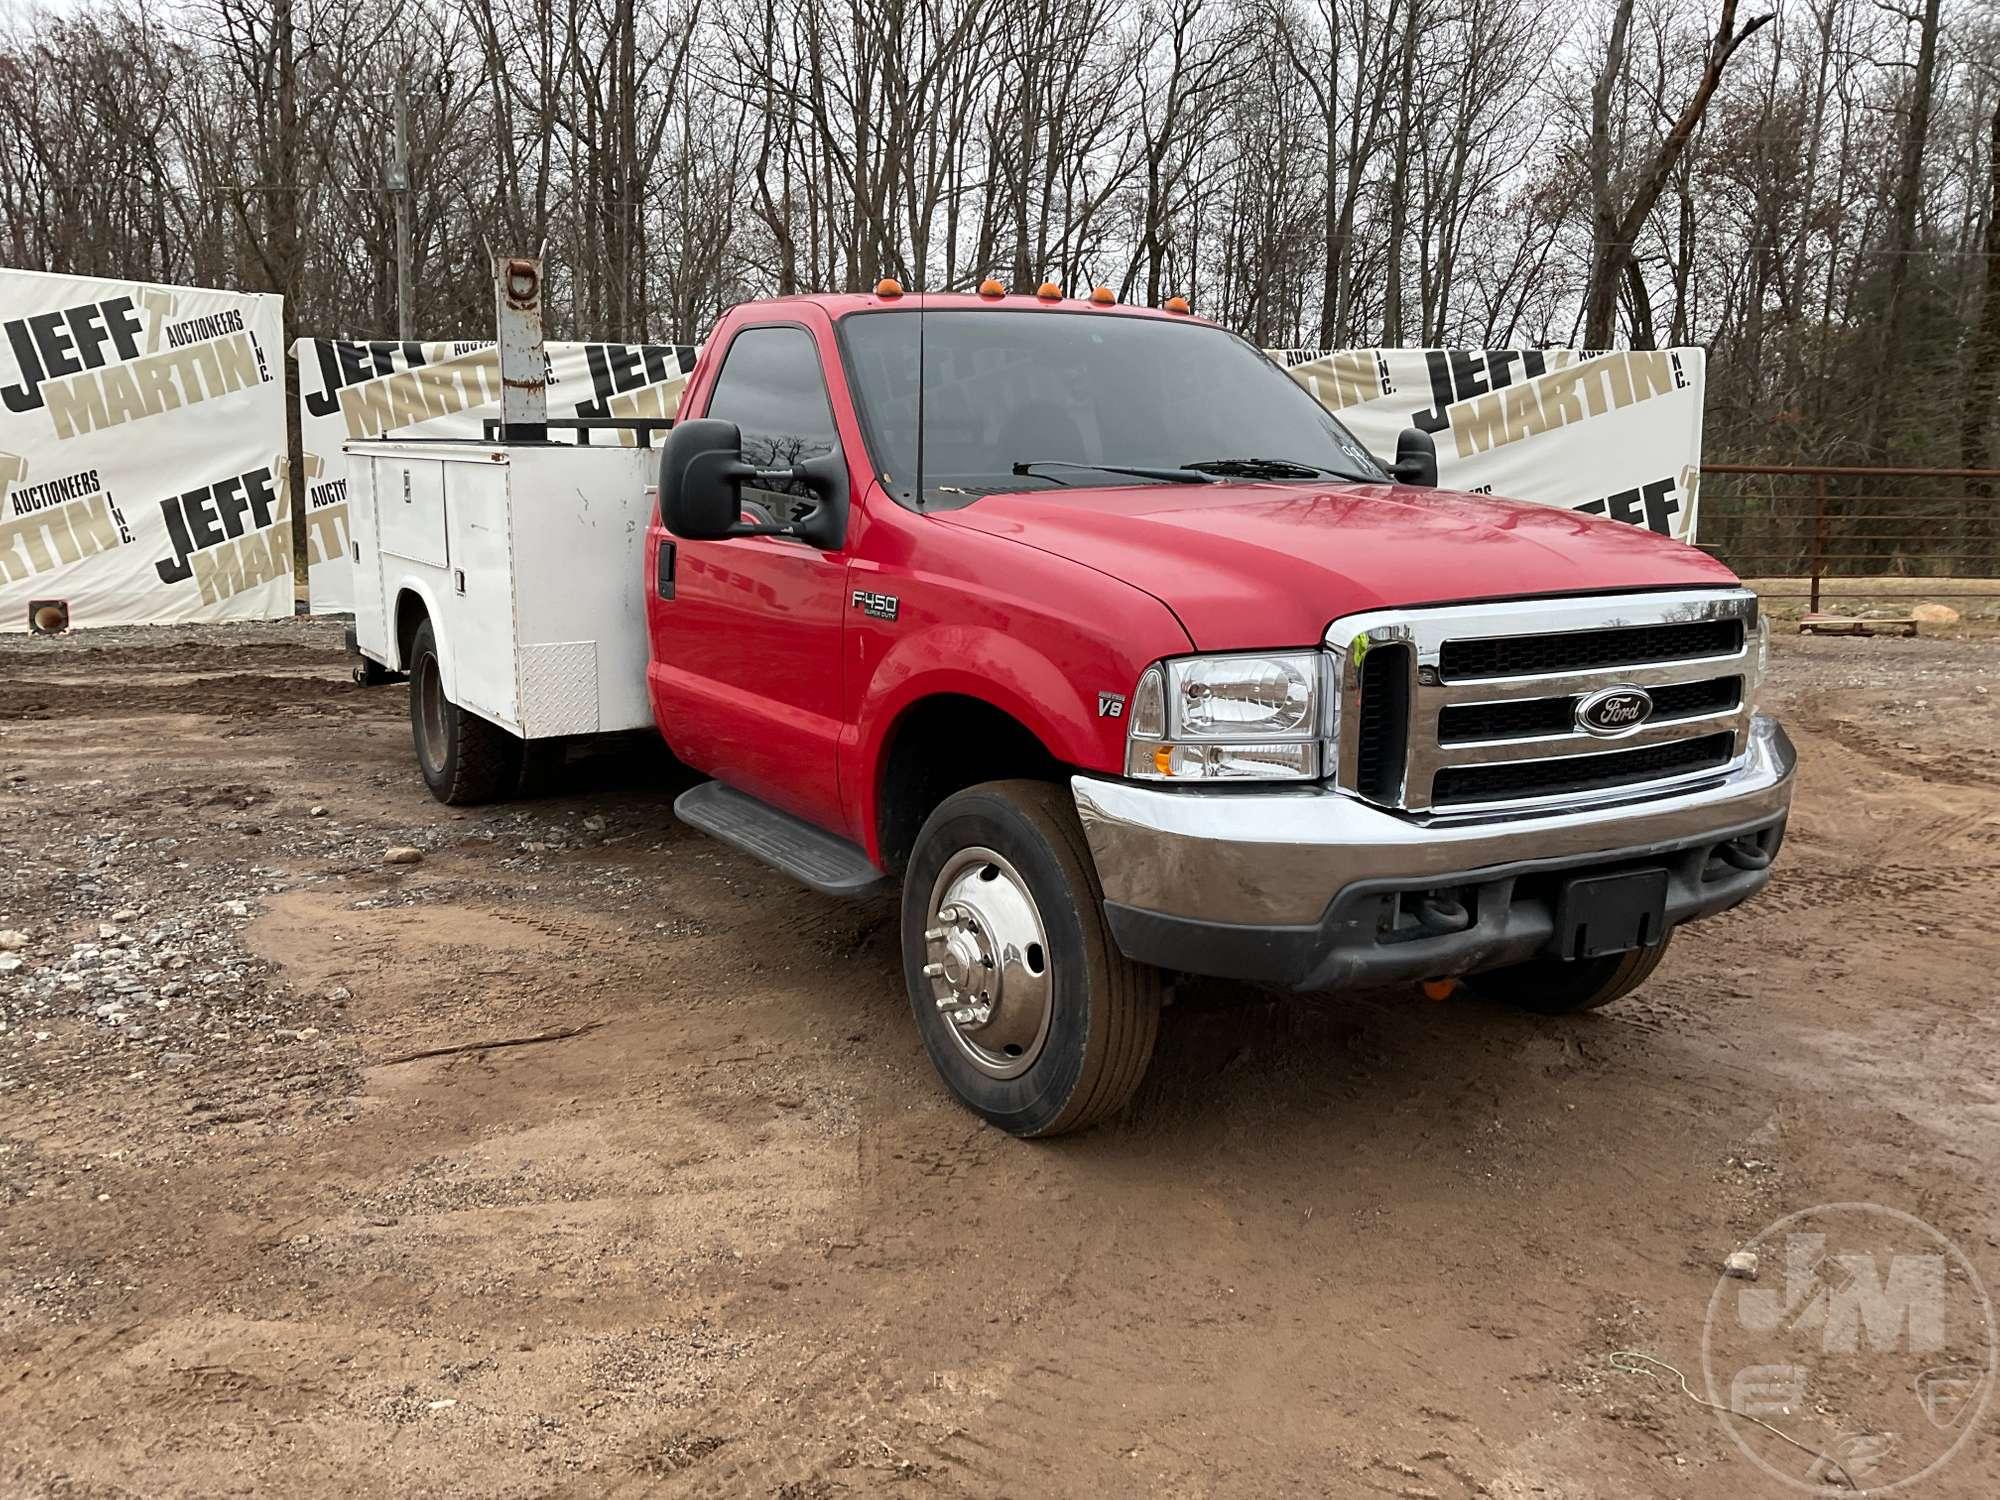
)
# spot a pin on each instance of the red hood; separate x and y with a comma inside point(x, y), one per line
point(1257, 565)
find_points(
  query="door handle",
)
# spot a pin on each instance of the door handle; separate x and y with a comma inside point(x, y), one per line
point(663, 570)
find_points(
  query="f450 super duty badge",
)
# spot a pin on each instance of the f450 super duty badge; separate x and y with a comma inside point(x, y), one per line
point(876, 606)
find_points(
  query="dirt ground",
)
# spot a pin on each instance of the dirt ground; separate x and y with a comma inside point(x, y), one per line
point(730, 1237)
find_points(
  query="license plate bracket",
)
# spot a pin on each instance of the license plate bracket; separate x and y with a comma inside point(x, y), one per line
point(1601, 914)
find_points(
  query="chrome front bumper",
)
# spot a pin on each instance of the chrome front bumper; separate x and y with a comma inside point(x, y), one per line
point(1287, 883)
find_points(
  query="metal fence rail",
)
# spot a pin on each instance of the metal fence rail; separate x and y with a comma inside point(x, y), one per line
point(1821, 521)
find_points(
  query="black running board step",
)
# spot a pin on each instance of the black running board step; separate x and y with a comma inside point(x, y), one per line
point(810, 855)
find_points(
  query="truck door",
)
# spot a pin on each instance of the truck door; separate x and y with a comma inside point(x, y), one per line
point(746, 659)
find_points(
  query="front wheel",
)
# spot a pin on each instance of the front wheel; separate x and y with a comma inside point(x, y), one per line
point(1027, 1007)
point(1559, 987)
point(464, 758)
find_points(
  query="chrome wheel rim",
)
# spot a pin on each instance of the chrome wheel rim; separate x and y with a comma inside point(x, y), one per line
point(431, 713)
point(987, 964)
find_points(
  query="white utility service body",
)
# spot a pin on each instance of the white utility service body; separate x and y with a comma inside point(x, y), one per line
point(528, 559)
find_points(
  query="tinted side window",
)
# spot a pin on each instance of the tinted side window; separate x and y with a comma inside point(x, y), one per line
point(771, 388)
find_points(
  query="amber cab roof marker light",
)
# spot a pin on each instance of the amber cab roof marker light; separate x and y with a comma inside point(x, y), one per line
point(1104, 297)
point(1048, 291)
point(990, 288)
point(1177, 305)
point(888, 286)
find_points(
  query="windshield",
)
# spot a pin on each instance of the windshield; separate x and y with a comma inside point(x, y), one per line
point(1031, 400)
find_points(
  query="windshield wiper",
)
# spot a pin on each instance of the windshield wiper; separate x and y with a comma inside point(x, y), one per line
point(1269, 468)
point(1188, 475)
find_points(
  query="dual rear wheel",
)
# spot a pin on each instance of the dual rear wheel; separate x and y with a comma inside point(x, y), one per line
point(466, 759)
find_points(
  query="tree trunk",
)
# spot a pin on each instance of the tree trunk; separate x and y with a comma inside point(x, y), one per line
point(1399, 183)
point(1903, 241)
point(1601, 298)
point(1982, 372)
point(1616, 232)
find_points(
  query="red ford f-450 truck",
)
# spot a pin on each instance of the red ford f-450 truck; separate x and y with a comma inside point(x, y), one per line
point(1096, 632)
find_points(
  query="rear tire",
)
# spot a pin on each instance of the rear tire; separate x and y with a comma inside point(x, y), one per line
point(1070, 1022)
point(1561, 987)
point(464, 758)
point(541, 767)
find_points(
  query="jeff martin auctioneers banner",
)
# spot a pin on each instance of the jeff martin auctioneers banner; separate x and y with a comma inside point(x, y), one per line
point(1615, 434)
point(142, 442)
point(350, 391)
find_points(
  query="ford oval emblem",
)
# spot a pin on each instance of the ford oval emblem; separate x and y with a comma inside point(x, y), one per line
point(1613, 711)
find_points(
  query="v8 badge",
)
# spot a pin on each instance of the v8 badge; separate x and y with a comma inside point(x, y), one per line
point(1110, 705)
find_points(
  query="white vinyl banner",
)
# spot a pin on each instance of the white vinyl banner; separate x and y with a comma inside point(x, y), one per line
point(352, 391)
point(1615, 434)
point(142, 443)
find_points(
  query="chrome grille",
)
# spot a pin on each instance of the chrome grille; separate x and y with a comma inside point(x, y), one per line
point(1527, 718)
point(1455, 785)
point(1464, 707)
point(1584, 651)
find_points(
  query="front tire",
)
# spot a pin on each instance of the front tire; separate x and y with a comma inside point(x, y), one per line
point(1029, 1011)
point(464, 758)
point(1561, 987)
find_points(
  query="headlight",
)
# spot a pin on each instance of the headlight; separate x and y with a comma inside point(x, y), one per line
point(1210, 718)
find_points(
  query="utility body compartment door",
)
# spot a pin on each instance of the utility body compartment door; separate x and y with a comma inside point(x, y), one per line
point(371, 615)
point(410, 511)
point(475, 616)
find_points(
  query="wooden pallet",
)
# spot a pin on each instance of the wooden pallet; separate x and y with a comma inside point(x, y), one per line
point(1856, 625)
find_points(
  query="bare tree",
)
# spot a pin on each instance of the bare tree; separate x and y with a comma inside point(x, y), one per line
point(1615, 229)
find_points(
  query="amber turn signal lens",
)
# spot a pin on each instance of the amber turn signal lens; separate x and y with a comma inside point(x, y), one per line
point(1048, 291)
point(1104, 297)
point(991, 288)
point(1177, 304)
point(888, 287)
point(1440, 989)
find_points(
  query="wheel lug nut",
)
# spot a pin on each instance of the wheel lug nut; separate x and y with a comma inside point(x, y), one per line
point(931, 971)
point(934, 934)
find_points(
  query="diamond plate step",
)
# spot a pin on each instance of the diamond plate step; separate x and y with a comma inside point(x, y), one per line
point(810, 855)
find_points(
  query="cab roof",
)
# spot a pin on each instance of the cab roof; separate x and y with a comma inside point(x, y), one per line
point(841, 304)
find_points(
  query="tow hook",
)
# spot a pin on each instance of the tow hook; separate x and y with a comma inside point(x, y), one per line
point(1737, 854)
point(1745, 855)
point(1441, 914)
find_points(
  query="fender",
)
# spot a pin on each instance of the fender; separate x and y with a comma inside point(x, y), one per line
point(995, 668)
point(447, 666)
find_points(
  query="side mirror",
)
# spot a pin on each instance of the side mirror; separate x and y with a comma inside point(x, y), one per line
point(1416, 458)
point(702, 474)
point(701, 478)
